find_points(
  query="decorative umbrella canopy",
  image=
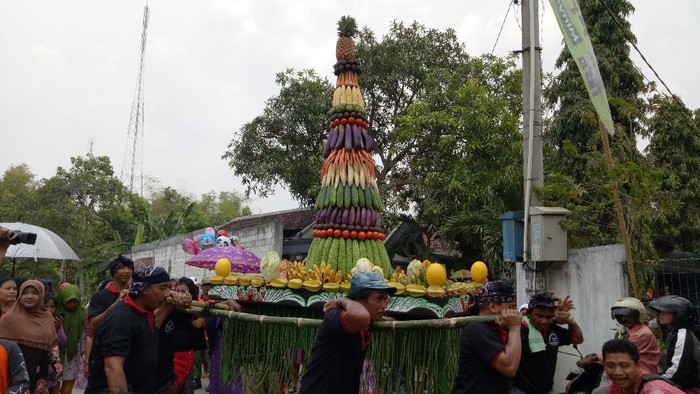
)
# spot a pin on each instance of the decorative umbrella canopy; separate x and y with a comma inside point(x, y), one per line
point(241, 259)
point(48, 245)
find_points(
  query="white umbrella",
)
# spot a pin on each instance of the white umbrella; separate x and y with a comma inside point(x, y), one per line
point(48, 245)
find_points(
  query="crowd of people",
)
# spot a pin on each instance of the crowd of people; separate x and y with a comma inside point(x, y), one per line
point(133, 337)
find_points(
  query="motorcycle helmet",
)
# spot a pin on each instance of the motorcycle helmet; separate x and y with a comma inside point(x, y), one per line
point(682, 309)
point(629, 306)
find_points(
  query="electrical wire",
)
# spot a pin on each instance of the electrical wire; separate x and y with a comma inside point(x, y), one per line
point(631, 42)
point(510, 5)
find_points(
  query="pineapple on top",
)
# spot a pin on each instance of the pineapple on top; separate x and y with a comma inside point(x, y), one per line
point(345, 46)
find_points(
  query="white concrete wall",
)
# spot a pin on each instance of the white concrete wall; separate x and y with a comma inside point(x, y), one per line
point(168, 254)
point(594, 278)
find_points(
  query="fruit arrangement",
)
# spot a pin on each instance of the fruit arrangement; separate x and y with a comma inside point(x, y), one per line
point(348, 221)
point(428, 279)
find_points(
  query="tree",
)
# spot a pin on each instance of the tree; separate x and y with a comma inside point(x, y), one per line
point(283, 145)
point(576, 173)
point(462, 172)
point(224, 207)
point(17, 187)
point(673, 148)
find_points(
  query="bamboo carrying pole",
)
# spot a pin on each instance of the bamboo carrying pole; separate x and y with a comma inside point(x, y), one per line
point(618, 210)
point(221, 310)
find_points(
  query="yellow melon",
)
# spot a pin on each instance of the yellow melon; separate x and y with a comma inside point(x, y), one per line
point(479, 271)
point(222, 267)
point(436, 275)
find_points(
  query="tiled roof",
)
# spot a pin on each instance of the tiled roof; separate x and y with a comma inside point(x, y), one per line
point(293, 219)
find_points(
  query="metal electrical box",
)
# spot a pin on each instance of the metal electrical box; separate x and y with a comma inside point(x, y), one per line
point(513, 229)
point(548, 239)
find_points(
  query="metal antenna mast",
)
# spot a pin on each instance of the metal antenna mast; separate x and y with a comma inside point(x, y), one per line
point(134, 143)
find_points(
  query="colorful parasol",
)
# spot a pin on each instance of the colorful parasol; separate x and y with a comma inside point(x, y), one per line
point(241, 259)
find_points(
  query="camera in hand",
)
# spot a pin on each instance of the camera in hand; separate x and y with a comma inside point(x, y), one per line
point(21, 238)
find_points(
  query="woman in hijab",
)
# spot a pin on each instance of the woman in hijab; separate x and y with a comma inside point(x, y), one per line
point(29, 324)
point(73, 314)
point(8, 294)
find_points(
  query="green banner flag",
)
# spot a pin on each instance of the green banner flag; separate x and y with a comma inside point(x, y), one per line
point(579, 43)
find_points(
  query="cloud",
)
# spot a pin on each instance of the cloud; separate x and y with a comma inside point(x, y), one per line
point(48, 56)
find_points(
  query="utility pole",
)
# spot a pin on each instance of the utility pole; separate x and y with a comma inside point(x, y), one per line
point(533, 173)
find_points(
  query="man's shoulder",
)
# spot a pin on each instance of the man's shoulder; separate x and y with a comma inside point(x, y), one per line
point(9, 346)
point(655, 384)
point(121, 314)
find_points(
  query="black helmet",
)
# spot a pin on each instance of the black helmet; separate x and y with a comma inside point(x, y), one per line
point(682, 309)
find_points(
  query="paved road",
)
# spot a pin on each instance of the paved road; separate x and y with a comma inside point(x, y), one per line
point(205, 383)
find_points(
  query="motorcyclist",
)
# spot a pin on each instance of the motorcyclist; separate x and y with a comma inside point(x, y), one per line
point(680, 361)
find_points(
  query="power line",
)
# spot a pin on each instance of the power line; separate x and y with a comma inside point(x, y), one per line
point(510, 5)
point(631, 42)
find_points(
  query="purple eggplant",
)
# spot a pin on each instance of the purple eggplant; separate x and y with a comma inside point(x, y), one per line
point(334, 215)
point(360, 139)
point(367, 140)
point(327, 148)
point(333, 136)
point(363, 217)
point(340, 139)
point(356, 137)
point(351, 216)
point(346, 217)
point(348, 138)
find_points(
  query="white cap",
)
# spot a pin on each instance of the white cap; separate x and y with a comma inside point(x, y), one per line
point(523, 306)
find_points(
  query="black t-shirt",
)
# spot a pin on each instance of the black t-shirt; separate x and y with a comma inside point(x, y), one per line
point(480, 345)
point(129, 332)
point(536, 370)
point(100, 301)
point(336, 358)
point(176, 334)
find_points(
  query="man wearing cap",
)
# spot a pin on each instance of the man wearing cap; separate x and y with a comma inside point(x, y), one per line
point(120, 268)
point(343, 337)
point(541, 335)
point(125, 352)
point(490, 352)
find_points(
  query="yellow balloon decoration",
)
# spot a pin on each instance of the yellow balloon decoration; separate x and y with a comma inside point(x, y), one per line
point(479, 271)
point(222, 267)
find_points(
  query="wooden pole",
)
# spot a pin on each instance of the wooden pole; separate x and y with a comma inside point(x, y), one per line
point(453, 322)
point(618, 210)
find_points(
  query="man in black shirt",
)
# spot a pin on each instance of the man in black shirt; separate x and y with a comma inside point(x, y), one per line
point(490, 352)
point(121, 268)
point(343, 337)
point(125, 352)
point(541, 336)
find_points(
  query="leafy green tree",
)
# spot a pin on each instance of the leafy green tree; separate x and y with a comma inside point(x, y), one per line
point(282, 147)
point(223, 207)
point(462, 174)
point(576, 176)
point(674, 147)
point(17, 197)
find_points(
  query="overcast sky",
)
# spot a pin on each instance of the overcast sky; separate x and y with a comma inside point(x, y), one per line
point(68, 70)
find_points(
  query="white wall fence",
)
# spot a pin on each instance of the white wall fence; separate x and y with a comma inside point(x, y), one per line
point(594, 278)
point(168, 253)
